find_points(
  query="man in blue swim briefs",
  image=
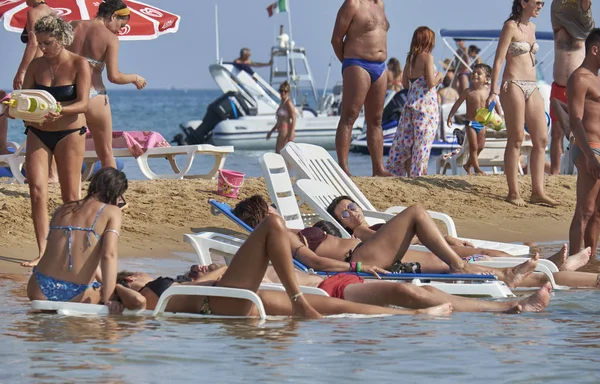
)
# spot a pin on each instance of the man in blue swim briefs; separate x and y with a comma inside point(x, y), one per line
point(360, 43)
point(583, 95)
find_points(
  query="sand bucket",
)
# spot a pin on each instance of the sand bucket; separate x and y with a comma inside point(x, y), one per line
point(229, 183)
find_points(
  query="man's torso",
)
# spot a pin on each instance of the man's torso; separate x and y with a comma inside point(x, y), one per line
point(367, 34)
point(591, 109)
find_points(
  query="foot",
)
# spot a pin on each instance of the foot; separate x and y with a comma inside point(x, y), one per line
point(577, 260)
point(438, 310)
point(536, 302)
point(31, 263)
point(346, 171)
point(467, 169)
point(514, 276)
point(383, 173)
point(516, 201)
point(559, 257)
point(478, 171)
point(302, 309)
point(543, 200)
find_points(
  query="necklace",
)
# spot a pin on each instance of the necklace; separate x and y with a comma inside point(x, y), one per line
point(52, 71)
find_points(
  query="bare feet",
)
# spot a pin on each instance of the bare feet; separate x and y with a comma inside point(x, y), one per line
point(302, 309)
point(513, 276)
point(536, 302)
point(382, 173)
point(467, 169)
point(438, 310)
point(346, 171)
point(559, 257)
point(577, 260)
point(31, 263)
point(543, 200)
point(516, 201)
point(478, 171)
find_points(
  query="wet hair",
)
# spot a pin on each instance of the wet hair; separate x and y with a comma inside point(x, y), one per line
point(516, 12)
point(592, 39)
point(474, 48)
point(122, 278)
point(328, 227)
point(252, 210)
point(394, 66)
point(108, 7)
point(57, 28)
point(285, 86)
point(244, 52)
point(107, 185)
point(331, 209)
point(423, 40)
point(486, 69)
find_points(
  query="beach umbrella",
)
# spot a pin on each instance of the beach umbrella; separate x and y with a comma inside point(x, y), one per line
point(147, 22)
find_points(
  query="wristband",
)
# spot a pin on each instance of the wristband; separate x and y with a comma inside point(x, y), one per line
point(295, 297)
point(353, 267)
point(58, 108)
point(358, 266)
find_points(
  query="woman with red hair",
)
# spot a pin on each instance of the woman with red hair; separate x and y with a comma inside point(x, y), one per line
point(420, 118)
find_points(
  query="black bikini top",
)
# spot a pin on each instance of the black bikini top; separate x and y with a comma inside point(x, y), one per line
point(160, 285)
point(61, 93)
point(314, 236)
point(24, 36)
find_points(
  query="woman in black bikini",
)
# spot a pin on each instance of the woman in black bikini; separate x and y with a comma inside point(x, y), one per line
point(67, 77)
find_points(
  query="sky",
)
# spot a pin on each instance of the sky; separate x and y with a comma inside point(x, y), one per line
point(181, 60)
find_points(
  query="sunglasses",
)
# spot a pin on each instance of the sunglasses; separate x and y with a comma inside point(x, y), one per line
point(540, 3)
point(346, 212)
point(282, 91)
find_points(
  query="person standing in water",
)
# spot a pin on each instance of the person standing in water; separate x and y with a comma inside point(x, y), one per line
point(360, 43)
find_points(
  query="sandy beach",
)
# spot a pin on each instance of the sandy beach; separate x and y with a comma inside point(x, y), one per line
point(161, 211)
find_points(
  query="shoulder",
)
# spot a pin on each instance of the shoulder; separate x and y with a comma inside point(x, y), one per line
point(510, 26)
point(350, 5)
point(79, 61)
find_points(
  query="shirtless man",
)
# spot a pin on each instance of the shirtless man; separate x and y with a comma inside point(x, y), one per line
point(572, 22)
point(360, 42)
point(462, 71)
point(245, 59)
point(583, 95)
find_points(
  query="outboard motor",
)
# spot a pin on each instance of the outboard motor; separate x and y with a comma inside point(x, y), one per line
point(230, 105)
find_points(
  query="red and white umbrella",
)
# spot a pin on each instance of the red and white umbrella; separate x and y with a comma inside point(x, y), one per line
point(147, 22)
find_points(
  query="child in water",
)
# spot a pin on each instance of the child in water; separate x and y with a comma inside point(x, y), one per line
point(475, 96)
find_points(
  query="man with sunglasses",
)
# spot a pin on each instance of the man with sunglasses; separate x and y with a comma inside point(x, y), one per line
point(572, 22)
point(360, 43)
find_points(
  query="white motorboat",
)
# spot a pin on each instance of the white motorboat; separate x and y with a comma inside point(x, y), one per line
point(245, 113)
point(447, 139)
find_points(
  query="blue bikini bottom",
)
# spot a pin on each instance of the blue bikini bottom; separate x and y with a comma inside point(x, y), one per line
point(60, 290)
point(374, 68)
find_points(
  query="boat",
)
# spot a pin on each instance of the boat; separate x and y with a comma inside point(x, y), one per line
point(449, 139)
point(245, 113)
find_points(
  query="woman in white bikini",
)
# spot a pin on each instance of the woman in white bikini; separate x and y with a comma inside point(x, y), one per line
point(286, 119)
point(97, 41)
point(522, 102)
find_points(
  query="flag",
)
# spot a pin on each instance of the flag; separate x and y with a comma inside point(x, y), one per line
point(278, 7)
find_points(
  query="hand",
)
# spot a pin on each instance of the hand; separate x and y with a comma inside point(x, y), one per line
point(18, 80)
point(450, 121)
point(593, 167)
point(271, 62)
point(114, 307)
point(269, 135)
point(458, 242)
point(375, 271)
point(52, 116)
point(139, 82)
point(489, 100)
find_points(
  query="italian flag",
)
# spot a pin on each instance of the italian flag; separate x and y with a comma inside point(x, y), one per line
point(278, 7)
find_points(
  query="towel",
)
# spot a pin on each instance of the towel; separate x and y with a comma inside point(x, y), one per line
point(138, 142)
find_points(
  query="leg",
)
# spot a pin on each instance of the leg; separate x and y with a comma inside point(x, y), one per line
point(538, 129)
point(567, 278)
point(373, 112)
point(268, 242)
point(69, 157)
point(399, 157)
point(561, 113)
point(587, 193)
point(425, 126)
point(556, 147)
point(3, 134)
point(472, 138)
point(281, 139)
point(480, 146)
point(592, 230)
point(99, 121)
point(356, 83)
point(52, 171)
point(386, 246)
point(37, 159)
point(407, 295)
point(513, 103)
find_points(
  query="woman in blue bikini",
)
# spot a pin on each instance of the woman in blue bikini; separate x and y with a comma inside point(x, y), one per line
point(83, 236)
point(97, 41)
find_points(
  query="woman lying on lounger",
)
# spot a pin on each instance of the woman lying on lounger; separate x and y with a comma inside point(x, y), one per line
point(350, 215)
point(268, 242)
point(83, 235)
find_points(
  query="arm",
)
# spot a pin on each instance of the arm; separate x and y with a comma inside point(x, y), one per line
point(109, 252)
point(83, 79)
point(312, 260)
point(432, 80)
point(30, 51)
point(112, 67)
point(405, 82)
point(342, 23)
point(210, 276)
point(505, 38)
point(260, 65)
point(292, 113)
point(456, 105)
point(131, 299)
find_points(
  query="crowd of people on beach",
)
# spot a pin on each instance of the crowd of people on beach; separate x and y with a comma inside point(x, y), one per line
point(78, 246)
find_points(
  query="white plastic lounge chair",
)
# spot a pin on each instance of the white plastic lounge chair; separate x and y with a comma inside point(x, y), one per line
point(169, 153)
point(318, 195)
point(315, 163)
point(66, 308)
point(14, 161)
point(492, 156)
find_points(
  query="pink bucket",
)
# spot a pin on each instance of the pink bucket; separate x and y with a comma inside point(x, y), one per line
point(229, 183)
